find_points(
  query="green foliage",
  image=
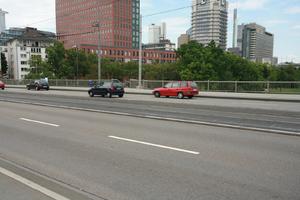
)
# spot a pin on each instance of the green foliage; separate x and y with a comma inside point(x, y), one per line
point(3, 64)
point(198, 62)
point(195, 62)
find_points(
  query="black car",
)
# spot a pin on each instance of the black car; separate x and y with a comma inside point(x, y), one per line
point(107, 88)
point(38, 85)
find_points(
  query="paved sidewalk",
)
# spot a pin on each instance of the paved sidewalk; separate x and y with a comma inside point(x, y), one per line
point(220, 95)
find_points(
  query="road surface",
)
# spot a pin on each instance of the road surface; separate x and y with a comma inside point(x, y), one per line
point(114, 157)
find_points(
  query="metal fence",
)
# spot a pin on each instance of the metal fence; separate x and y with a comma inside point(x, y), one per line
point(291, 87)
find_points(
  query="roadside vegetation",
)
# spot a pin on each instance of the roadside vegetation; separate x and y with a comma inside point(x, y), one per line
point(195, 62)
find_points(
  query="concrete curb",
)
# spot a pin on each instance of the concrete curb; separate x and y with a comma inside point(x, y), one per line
point(150, 93)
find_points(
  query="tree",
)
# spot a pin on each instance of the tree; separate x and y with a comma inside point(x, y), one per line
point(3, 64)
point(57, 60)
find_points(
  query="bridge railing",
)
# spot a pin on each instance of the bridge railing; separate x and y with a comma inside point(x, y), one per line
point(287, 87)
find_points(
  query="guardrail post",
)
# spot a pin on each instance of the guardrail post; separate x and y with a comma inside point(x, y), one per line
point(268, 86)
point(208, 86)
point(236, 86)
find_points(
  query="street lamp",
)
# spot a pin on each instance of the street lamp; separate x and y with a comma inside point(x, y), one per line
point(99, 53)
point(140, 55)
point(76, 47)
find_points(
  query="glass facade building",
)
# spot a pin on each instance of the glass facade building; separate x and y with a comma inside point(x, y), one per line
point(118, 22)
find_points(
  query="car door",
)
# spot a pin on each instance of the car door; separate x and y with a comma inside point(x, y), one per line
point(184, 87)
point(175, 89)
point(165, 91)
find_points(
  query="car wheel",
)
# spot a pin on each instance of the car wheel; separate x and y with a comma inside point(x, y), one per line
point(157, 94)
point(37, 88)
point(180, 95)
point(109, 94)
point(102, 95)
point(28, 88)
point(121, 95)
point(190, 97)
point(167, 96)
point(91, 94)
point(2, 88)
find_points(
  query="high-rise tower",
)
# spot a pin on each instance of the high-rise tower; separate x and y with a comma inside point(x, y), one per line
point(118, 22)
point(234, 38)
point(2, 20)
point(209, 21)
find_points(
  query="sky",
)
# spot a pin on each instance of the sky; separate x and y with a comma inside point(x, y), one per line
point(280, 17)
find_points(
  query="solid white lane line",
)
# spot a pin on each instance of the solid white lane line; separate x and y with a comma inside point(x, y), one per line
point(39, 122)
point(33, 185)
point(154, 145)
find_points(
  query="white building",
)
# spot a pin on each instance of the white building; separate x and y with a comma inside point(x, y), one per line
point(157, 33)
point(2, 20)
point(154, 34)
point(163, 31)
point(21, 50)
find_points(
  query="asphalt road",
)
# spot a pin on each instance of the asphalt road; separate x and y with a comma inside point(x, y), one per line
point(119, 157)
point(283, 116)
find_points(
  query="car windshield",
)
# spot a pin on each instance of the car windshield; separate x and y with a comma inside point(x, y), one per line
point(43, 81)
point(194, 85)
point(168, 85)
point(106, 84)
point(117, 84)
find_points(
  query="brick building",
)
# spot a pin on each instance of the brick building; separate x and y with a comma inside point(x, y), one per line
point(118, 22)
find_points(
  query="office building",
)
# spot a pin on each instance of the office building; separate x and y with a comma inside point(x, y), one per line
point(154, 34)
point(2, 20)
point(183, 39)
point(209, 21)
point(163, 31)
point(157, 33)
point(257, 43)
point(163, 45)
point(78, 22)
point(234, 34)
point(240, 36)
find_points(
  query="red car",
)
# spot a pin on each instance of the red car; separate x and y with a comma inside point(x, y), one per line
point(178, 89)
point(2, 85)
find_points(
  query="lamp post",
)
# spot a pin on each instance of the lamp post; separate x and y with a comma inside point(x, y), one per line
point(140, 55)
point(76, 47)
point(99, 53)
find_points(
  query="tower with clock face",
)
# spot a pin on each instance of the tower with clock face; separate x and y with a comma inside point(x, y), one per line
point(209, 21)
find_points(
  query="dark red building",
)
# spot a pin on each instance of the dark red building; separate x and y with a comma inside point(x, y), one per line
point(118, 20)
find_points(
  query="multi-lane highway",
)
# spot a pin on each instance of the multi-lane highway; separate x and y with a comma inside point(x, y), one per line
point(81, 153)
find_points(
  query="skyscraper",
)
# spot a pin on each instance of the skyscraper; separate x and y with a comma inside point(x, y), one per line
point(2, 20)
point(234, 35)
point(157, 33)
point(209, 21)
point(118, 22)
point(154, 34)
point(257, 43)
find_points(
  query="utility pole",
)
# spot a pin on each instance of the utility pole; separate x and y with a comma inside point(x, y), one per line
point(99, 53)
point(140, 55)
point(77, 65)
point(76, 48)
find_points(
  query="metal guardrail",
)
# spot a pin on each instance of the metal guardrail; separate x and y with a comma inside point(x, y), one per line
point(287, 87)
